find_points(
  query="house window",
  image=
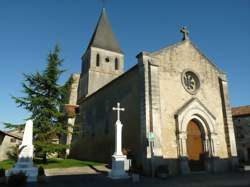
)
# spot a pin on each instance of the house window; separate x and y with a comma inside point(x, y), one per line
point(13, 140)
point(97, 60)
point(116, 64)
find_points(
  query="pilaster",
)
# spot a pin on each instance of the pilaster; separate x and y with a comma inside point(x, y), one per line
point(150, 106)
point(228, 122)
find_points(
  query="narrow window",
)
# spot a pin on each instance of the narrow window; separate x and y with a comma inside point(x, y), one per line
point(116, 64)
point(97, 60)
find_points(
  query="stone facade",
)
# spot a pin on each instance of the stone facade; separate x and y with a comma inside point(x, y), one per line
point(171, 107)
point(241, 120)
point(9, 140)
point(161, 94)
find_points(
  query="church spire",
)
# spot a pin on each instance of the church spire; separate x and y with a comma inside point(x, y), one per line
point(103, 36)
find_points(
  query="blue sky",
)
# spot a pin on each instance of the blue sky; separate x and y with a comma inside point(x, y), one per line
point(30, 29)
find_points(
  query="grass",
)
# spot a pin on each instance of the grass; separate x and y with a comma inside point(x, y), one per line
point(52, 163)
point(65, 163)
point(7, 164)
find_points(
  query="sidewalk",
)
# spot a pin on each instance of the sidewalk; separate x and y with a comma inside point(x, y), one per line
point(97, 176)
point(76, 171)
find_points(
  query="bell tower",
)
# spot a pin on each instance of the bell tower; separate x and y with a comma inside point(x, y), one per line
point(103, 60)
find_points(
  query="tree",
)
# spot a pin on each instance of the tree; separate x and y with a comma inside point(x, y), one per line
point(44, 99)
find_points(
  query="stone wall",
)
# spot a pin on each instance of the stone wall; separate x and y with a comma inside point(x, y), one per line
point(7, 144)
point(73, 88)
point(71, 100)
point(97, 120)
point(242, 132)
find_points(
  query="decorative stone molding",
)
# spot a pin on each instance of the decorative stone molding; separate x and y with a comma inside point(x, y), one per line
point(195, 110)
point(190, 81)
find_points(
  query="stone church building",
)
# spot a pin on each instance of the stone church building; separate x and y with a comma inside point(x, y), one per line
point(177, 110)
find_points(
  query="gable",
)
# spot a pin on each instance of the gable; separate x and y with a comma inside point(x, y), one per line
point(186, 46)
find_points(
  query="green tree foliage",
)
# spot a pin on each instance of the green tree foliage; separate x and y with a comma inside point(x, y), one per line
point(44, 99)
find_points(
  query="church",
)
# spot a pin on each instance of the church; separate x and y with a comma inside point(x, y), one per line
point(177, 111)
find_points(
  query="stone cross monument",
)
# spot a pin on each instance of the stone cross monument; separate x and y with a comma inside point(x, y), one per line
point(25, 157)
point(118, 138)
point(118, 159)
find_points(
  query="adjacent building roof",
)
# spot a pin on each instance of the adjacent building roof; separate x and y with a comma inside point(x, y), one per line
point(103, 36)
point(11, 135)
point(241, 111)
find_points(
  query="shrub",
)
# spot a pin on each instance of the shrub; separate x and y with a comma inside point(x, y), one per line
point(2, 172)
point(13, 153)
point(17, 179)
point(41, 171)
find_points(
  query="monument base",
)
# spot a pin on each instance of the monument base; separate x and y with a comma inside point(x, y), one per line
point(118, 167)
point(25, 167)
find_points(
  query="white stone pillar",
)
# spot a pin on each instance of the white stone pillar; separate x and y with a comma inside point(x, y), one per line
point(183, 144)
point(118, 138)
point(118, 159)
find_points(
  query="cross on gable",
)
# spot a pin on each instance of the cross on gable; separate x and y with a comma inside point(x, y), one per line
point(118, 109)
point(185, 32)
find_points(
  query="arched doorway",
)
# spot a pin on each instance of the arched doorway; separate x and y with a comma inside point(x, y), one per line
point(195, 148)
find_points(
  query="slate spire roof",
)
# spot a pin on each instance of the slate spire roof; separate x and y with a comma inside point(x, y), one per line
point(103, 36)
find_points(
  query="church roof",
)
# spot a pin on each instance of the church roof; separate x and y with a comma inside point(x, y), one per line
point(241, 111)
point(103, 36)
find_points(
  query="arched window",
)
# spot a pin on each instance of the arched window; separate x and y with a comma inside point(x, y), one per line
point(97, 60)
point(116, 64)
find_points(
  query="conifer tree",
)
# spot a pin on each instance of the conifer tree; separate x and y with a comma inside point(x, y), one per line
point(44, 99)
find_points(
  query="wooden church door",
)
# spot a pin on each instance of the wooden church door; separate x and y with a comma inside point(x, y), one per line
point(195, 148)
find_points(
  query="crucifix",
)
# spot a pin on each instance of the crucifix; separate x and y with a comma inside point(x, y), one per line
point(118, 159)
point(118, 109)
point(185, 32)
point(118, 133)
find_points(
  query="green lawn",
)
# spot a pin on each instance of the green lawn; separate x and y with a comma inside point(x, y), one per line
point(52, 163)
point(7, 164)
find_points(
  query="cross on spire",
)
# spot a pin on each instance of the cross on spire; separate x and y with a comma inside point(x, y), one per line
point(118, 109)
point(103, 3)
point(185, 32)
